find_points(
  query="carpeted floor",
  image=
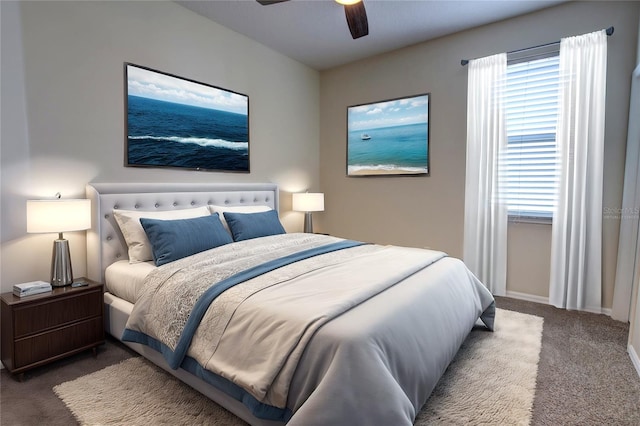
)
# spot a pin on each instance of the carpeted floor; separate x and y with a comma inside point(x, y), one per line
point(33, 402)
point(585, 375)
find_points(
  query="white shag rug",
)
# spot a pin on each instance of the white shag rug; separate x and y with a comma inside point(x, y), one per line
point(491, 381)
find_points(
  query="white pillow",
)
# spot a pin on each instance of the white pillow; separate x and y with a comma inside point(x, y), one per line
point(236, 209)
point(133, 232)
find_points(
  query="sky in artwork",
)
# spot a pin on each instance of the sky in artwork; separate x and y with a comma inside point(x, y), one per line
point(393, 113)
point(162, 87)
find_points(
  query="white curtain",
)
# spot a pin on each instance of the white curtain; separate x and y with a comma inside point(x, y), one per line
point(628, 245)
point(576, 242)
point(485, 215)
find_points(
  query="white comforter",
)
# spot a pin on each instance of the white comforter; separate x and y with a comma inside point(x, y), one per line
point(274, 336)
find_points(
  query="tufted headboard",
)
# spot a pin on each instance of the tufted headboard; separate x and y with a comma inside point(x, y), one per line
point(105, 243)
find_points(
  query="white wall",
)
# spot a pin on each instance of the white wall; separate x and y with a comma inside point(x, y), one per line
point(429, 211)
point(63, 108)
point(634, 332)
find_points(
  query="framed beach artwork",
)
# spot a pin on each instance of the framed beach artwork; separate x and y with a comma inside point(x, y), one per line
point(179, 123)
point(389, 138)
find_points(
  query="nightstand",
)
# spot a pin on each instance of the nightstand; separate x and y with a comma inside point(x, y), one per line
point(48, 326)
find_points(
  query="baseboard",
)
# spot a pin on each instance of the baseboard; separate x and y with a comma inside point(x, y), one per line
point(635, 359)
point(545, 301)
point(528, 297)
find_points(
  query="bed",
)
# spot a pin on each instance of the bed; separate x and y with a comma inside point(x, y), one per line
point(374, 345)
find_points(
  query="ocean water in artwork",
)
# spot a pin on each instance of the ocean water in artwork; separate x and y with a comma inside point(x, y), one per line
point(388, 150)
point(170, 134)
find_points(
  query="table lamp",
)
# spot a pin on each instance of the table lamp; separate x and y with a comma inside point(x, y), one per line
point(59, 215)
point(308, 202)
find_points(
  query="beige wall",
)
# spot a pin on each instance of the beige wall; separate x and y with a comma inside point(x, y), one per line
point(528, 262)
point(429, 211)
point(63, 108)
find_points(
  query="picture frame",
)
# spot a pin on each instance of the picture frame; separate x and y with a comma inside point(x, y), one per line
point(175, 122)
point(389, 138)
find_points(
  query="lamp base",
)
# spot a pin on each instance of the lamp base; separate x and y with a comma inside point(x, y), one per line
point(308, 223)
point(61, 272)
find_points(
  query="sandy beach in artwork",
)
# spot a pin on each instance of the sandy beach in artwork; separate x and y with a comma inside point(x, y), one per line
point(381, 172)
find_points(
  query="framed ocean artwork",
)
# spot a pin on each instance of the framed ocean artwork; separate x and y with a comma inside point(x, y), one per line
point(180, 123)
point(389, 138)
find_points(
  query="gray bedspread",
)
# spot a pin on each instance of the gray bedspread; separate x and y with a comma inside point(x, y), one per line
point(359, 334)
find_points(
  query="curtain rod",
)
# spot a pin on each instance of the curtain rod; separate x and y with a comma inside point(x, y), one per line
point(464, 62)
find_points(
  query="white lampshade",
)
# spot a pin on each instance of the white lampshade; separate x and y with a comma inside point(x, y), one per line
point(348, 2)
point(60, 215)
point(308, 202)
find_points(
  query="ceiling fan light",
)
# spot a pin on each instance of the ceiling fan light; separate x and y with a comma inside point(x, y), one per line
point(348, 2)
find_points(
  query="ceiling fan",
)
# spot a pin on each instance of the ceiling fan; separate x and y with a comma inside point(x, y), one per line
point(354, 11)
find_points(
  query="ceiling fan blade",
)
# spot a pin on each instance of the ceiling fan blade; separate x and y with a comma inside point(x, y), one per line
point(357, 19)
point(268, 2)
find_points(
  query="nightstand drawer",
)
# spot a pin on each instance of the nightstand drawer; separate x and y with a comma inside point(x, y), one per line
point(54, 313)
point(58, 343)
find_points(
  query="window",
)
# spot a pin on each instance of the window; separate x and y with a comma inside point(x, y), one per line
point(530, 168)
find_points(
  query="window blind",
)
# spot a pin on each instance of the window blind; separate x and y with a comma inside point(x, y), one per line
point(529, 170)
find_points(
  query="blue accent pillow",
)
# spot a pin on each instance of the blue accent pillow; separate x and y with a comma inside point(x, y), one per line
point(174, 239)
point(244, 226)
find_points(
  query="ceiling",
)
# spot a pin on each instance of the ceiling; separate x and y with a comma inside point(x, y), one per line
point(315, 32)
